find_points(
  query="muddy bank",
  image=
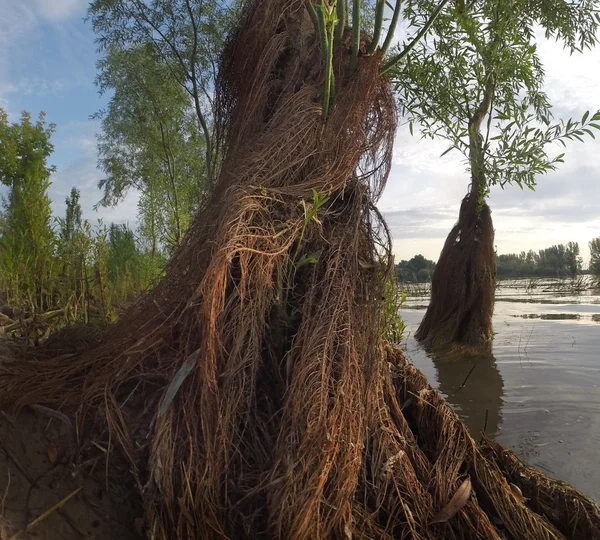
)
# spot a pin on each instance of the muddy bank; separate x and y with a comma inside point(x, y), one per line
point(48, 494)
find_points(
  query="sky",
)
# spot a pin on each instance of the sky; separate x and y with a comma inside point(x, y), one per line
point(47, 63)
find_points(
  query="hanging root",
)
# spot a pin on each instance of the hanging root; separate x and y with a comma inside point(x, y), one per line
point(250, 391)
point(463, 284)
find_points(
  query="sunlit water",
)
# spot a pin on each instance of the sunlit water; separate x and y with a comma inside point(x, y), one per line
point(541, 389)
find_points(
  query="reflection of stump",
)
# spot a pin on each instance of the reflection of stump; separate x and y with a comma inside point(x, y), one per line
point(482, 391)
point(463, 284)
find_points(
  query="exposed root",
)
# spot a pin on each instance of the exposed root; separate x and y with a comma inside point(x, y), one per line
point(570, 512)
point(463, 284)
point(286, 421)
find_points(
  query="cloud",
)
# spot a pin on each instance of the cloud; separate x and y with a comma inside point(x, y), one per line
point(423, 194)
point(59, 10)
point(84, 175)
point(44, 48)
point(76, 140)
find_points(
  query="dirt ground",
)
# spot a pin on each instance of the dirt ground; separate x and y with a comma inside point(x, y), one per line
point(37, 475)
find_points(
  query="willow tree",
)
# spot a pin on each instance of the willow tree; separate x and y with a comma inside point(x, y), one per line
point(250, 390)
point(594, 265)
point(477, 82)
point(150, 141)
point(27, 238)
point(187, 35)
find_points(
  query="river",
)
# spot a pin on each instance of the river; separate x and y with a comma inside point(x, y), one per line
point(540, 390)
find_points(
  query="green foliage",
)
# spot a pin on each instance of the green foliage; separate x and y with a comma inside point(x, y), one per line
point(393, 299)
point(73, 252)
point(26, 237)
point(85, 272)
point(481, 61)
point(187, 36)
point(150, 142)
point(595, 256)
point(555, 261)
point(418, 269)
point(129, 269)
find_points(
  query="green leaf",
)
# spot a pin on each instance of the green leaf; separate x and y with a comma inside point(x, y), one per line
point(308, 258)
point(181, 375)
point(585, 117)
point(448, 150)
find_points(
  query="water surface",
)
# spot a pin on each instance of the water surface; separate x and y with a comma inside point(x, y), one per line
point(541, 388)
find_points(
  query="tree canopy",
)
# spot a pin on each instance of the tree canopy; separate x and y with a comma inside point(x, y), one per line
point(556, 261)
point(595, 256)
point(481, 57)
point(151, 142)
point(26, 239)
point(187, 36)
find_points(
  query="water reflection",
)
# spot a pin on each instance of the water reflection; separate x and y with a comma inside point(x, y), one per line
point(472, 385)
point(542, 385)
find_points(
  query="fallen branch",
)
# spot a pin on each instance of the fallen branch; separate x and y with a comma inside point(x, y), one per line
point(37, 318)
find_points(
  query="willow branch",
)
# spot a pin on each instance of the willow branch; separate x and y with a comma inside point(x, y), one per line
point(392, 28)
point(327, 45)
point(378, 26)
point(476, 148)
point(355, 34)
point(399, 57)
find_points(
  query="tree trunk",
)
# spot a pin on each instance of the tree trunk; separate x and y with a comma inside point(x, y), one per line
point(251, 391)
point(463, 283)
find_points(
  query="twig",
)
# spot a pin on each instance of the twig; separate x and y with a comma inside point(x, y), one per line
point(378, 27)
point(107, 461)
point(39, 519)
point(59, 416)
point(71, 522)
point(532, 327)
point(56, 414)
point(5, 493)
point(18, 465)
point(392, 28)
point(466, 379)
point(398, 58)
point(487, 413)
point(355, 35)
point(43, 318)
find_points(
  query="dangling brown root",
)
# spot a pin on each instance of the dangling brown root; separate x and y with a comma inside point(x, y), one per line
point(250, 391)
point(463, 284)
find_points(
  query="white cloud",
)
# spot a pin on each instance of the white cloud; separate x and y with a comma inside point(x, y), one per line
point(84, 175)
point(76, 140)
point(424, 191)
point(57, 10)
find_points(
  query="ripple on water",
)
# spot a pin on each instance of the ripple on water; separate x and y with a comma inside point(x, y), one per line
point(541, 387)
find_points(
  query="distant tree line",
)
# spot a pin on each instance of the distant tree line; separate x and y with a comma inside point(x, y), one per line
point(594, 267)
point(417, 270)
point(556, 261)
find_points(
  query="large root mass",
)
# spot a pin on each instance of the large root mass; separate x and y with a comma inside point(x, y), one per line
point(292, 418)
point(464, 283)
